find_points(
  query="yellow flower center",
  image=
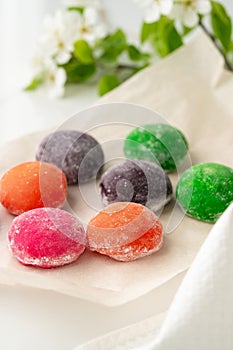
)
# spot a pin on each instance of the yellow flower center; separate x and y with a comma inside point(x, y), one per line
point(51, 78)
point(60, 45)
point(187, 3)
point(83, 29)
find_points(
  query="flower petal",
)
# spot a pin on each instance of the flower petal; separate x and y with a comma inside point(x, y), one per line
point(203, 6)
point(177, 12)
point(60, 77)
point(90, 16)
point(166, 6)
point(101, 31)
point(152, 14)
point(190, 18)
point(47, 44)
point(63, 57)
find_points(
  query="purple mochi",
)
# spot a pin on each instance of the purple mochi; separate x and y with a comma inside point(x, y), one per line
point(79, 155)
point(136, 181)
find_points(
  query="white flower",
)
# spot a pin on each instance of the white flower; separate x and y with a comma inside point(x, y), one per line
point(155, 8)
point(187, 11)
point(38, 62)
point(52, 76)
point(55, 79)
point(90, 25)
point(60, 32)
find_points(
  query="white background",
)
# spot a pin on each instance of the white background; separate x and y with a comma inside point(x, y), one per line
point(33, 319)
point(20, 23)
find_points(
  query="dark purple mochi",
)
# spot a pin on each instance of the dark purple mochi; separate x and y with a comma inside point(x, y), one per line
point(78, 154)
point(136, 181)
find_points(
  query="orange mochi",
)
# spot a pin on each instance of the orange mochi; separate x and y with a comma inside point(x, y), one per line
point(32, 185)
point(125, 231)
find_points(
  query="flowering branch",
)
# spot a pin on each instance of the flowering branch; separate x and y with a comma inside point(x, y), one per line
point(76, 44)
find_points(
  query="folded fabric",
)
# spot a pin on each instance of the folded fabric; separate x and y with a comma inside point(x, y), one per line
point(201, 316)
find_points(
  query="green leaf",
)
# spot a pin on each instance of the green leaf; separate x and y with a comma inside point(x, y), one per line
point(137, 69)
point(163, 35)
point(221, 23)
point(34, 84)
point(76, 8)
point(78, 72)
point(107, 83)
point(83, 52)
point(148, 29)
point(136, 55)
point(166, 38)
point(187, 30)
point(113, 45)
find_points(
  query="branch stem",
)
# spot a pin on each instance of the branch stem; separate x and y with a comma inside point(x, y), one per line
point(126, 66)
point(119, 66)
point(210, 35)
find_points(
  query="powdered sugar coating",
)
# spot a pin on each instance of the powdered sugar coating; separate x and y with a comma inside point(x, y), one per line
point(160, 143)
point(205, 191)
point(125, 232)
point(31, 185)
point(137, 181)
point(46, 237)
point(78, 154)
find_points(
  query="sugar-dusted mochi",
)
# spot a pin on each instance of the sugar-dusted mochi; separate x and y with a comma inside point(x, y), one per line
point(32, 185)
point(160, 143)
point(136, 181)
point(78, 154)
point(125, 231)
point(205, 190)
point(46, 237)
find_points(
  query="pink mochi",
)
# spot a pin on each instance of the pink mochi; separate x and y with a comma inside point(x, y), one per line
point(46, 237)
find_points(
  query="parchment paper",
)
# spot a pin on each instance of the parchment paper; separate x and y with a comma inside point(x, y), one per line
point(193, 92)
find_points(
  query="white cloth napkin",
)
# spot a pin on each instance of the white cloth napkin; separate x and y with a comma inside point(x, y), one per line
point(201, 315)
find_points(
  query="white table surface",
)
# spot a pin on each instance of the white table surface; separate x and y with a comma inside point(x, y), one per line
point(37, 319)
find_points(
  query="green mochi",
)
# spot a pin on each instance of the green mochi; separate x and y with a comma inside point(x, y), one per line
point(205, 190)
point(159, 143)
